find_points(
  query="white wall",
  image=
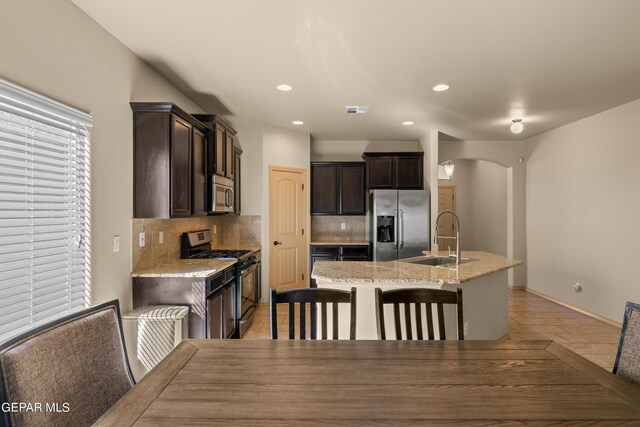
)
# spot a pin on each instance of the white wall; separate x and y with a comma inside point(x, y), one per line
point(54, 48)
point(351, 151)
point(481, 204)
point(582, 211)
point(507, 154)
point(281, 147)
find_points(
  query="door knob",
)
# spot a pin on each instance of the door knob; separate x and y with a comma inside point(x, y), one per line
point(276, 243)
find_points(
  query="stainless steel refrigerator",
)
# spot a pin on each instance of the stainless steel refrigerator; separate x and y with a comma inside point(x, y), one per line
point(399, 223)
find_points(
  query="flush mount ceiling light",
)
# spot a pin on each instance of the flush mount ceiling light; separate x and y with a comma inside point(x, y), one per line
point(297, 122)
point(517, 126)
point(440, 87)
point(284, 88)
point(407, 123)
point(448, 168)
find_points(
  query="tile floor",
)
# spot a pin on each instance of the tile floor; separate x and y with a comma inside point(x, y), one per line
point(530, 318)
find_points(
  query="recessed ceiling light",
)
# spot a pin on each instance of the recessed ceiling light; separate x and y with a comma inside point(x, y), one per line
point(297, 122)
point(440, 87)
point(407, 123)
point(284, 88)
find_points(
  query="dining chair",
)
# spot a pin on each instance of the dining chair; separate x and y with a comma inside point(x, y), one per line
point(627, 363)
point(313, 296)
point(76, 365)
point(417, 297)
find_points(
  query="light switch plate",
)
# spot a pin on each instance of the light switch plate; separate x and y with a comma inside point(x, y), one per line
point(141, 240)
point(116, 243)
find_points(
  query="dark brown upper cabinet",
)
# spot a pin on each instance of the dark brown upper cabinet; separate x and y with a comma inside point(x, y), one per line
point(199, 173)
point(237, 187)
point(338, 188)
point(168, 165)
point(220, 153)
point(394, 170)
point(352, 191)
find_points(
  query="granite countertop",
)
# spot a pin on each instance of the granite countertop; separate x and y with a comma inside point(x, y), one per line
point(393, 272)
point(338, 242)
point(185, 268)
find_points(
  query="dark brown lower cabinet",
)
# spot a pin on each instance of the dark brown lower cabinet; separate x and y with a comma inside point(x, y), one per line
point(338, 253)
point(214, 311)
point(229, 310)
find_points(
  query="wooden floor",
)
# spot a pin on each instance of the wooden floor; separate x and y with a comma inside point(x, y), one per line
point(530, 318)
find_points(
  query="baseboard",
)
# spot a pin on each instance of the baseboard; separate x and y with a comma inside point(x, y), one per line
point(574, 308)
point(517, 287)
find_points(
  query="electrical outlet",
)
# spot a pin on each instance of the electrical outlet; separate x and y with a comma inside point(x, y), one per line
point(343, 226)
point(466, 328)
point(161, 237)
point(141, 240)
point(577, 287)
point(116, 243)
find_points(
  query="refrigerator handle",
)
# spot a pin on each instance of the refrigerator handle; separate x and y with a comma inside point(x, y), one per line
point(397, 228)
point(401, 228)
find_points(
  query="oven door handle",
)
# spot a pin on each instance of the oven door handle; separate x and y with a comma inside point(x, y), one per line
point(249, 270)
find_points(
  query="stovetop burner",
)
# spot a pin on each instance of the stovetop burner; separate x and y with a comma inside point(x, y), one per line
point(227, 253)
point(197, 245)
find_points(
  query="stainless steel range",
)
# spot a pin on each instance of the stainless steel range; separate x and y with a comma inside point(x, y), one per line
point(197, 244)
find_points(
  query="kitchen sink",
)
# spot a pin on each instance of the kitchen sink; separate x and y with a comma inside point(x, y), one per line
point(431, 260)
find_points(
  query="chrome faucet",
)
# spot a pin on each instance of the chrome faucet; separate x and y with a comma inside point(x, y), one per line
point(455, 255)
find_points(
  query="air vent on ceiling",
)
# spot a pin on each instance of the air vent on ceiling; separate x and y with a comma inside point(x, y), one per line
point(356, 109)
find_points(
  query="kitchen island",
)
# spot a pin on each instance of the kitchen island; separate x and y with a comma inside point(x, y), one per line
point(481, 275)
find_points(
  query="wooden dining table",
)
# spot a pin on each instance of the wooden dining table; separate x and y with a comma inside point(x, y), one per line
point(298, 382)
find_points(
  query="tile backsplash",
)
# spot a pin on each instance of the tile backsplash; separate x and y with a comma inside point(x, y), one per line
point(329, 228)
point(230, 231)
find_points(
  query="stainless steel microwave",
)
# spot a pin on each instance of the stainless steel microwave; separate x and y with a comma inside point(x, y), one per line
point(221, 195)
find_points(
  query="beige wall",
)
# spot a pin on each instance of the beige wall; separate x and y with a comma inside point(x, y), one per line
point(249, 138)
point(54, 48)
point(481, 204)
point(328, 227)
point(583, 209)
point(351, 151)
point(506, 154)
point(227, 231)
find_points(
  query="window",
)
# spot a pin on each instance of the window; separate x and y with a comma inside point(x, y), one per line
point(44, 210)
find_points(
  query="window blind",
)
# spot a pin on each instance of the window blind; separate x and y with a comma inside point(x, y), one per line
point(44, 210)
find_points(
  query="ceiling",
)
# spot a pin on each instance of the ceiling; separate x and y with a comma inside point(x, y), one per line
point(550, 62)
